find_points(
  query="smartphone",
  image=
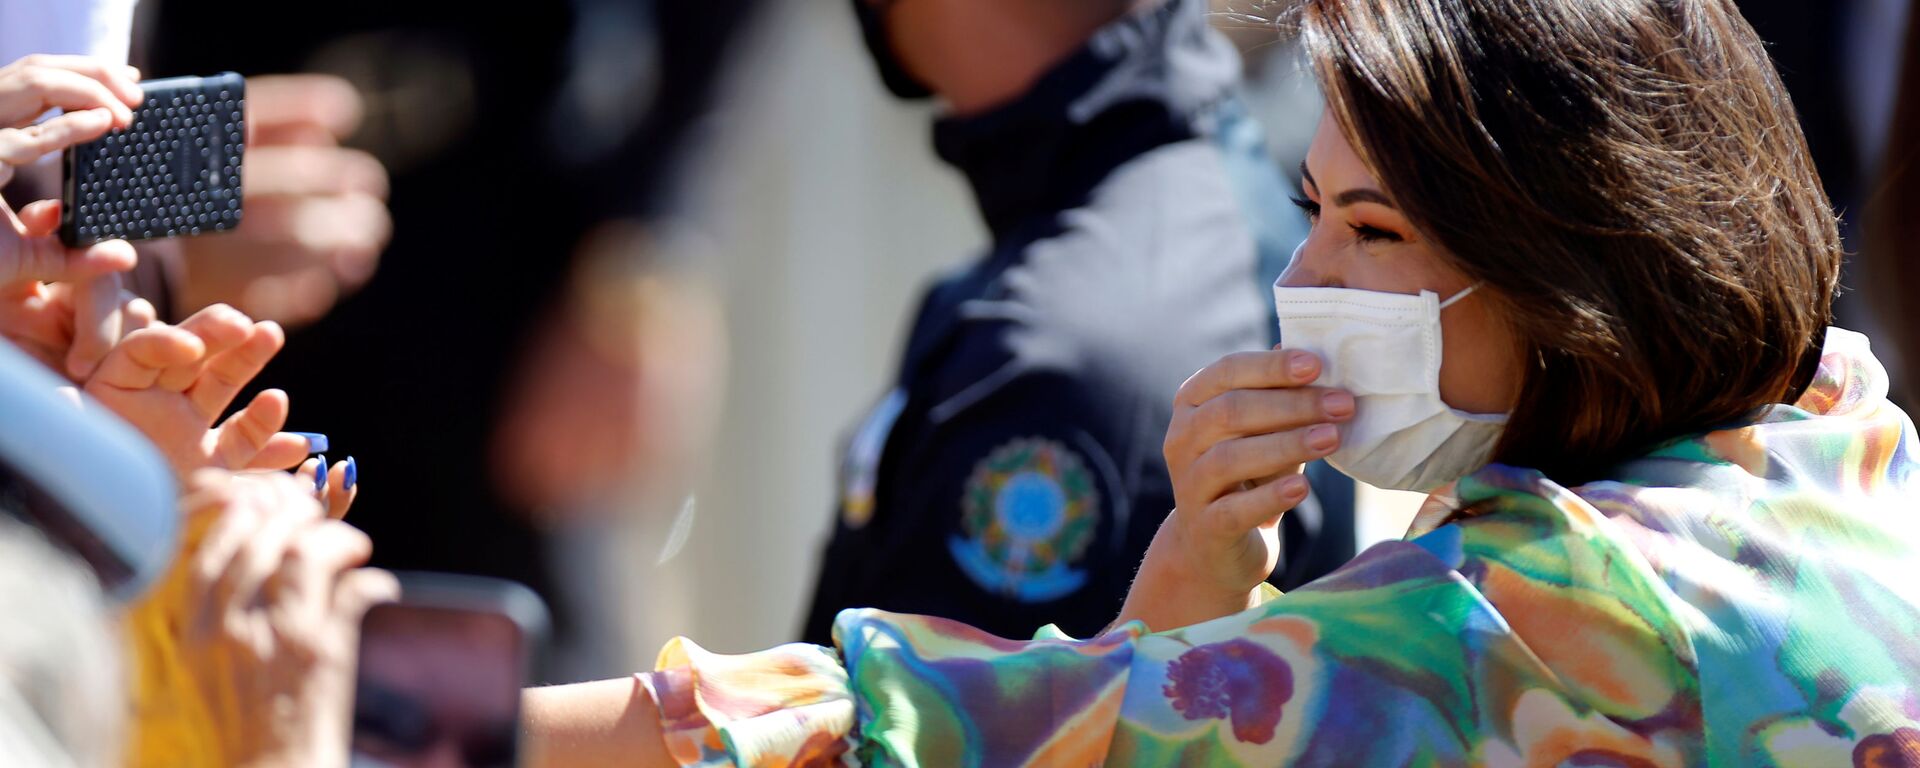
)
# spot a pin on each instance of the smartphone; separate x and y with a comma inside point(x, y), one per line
point(175, 171)
point(440, 672)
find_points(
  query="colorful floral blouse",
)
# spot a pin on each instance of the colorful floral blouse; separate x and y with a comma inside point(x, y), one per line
point(1749, 597)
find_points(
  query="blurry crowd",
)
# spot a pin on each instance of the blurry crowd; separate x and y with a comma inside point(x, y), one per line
point(474, 271)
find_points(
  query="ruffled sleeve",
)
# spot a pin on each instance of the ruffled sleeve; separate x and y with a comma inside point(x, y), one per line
point(785, 706)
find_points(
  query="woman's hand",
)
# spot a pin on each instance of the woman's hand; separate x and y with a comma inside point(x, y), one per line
point(69, 332)
point(337, 490)
point(316, 211)
point(70, 324)
point(172, 382)
point(271, 628)
point(95, 97)
point(1242, 430)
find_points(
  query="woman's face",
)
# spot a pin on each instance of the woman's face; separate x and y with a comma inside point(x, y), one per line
point(1361, 240)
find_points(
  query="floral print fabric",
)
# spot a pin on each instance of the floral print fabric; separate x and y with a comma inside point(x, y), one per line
point(1745, 597)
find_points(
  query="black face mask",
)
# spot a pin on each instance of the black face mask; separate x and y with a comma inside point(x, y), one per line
point(873, 27)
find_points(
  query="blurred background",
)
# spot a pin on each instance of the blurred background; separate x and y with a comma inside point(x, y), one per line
point(827, 215)
point(744, 270)
point(802, 217)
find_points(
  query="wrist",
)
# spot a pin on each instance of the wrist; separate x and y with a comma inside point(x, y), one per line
point(609, 722)
point(1168, 593)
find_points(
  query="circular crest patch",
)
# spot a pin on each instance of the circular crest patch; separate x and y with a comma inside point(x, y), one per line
point(1028, 514)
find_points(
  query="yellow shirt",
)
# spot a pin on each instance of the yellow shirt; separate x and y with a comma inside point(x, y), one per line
point(171, 724)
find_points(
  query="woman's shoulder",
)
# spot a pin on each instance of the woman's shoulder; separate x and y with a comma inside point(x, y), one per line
point(1774, 553)
point(1571, 582)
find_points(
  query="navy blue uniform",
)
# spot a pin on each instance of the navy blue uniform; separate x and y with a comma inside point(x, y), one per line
point(1013, 478)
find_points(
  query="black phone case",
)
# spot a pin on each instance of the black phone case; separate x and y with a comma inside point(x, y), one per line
point(175, 171)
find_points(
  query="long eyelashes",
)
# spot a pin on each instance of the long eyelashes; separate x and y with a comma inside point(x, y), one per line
point(1367, 234)
point(1373, 234)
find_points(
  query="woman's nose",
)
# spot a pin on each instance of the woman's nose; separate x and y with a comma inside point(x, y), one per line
point(1307, 268)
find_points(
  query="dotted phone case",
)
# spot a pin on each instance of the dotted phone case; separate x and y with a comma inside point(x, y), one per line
point(175, 171)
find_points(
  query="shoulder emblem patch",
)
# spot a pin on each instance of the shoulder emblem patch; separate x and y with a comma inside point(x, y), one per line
point(1028, 514)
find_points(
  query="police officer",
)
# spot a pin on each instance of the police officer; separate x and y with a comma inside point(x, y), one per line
point(1013, 477)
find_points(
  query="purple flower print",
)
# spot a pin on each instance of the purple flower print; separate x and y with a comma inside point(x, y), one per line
point(1237, 680)
point(1900, 749)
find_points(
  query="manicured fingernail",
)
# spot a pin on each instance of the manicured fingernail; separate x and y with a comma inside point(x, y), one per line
point(316, 442)
point(1293, 485)
point(1301, 364)
point(1337, 404)
point(353, 475)
point(320, 474)
point(1322, 438)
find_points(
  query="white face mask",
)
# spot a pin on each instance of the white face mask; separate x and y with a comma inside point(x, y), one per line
point(1385, 349)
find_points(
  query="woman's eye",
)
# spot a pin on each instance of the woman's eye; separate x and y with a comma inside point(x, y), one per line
point(1308, 207)
point(1369, 234)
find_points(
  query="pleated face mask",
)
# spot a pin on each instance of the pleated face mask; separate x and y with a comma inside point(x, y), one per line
point(1385, 349)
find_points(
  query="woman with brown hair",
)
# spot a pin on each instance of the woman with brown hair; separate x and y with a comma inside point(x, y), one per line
point(1570, 272)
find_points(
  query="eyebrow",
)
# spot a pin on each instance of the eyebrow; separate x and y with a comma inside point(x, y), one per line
point(1351, 196)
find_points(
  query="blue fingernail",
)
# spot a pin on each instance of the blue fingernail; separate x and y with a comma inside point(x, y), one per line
point(320, 475)
point(316, 442)
point(353, 475)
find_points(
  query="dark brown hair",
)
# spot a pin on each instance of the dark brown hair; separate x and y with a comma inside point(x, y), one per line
point(1629, 179)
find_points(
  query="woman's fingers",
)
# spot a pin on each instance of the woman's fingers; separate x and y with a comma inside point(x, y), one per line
point(24, 146)
point(358, 590)
point(300, 594)
point(95, 97)
point(1244, 412)
point(98, 324)
point(39, 218)
point(229, 371)
point(1248, 418)
point(233, 526)
point(337, 488)
point(301, 109)
point(302, 171)
point(286, 515)
point(30, 252)
point(137, 361)
point(282, 451)
point(309, 475)
point(249, 432)
point(1221, 469)
point(1249, 370)
point(221, 328)
point(29, 93)
point(1233, 515)
point(121, 81)
point(328, 549)
point(139, 313)
point(343, 486)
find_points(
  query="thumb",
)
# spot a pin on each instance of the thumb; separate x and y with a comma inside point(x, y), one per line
point(29, 250)
point(40, 218)
point(98, 323)
point(357, 591)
